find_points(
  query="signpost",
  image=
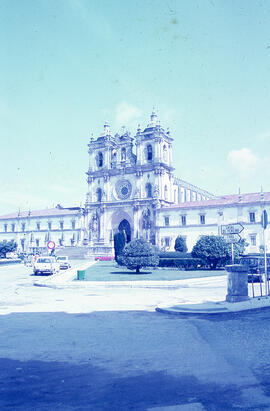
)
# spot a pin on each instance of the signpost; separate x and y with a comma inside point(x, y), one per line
point(236, 228)
point(51, 245)
point(264, 222)
point(231, 233)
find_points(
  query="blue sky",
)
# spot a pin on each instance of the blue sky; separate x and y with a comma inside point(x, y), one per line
point(69, 65)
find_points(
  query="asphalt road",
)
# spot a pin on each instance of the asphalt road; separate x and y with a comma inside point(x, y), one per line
point(56, 356)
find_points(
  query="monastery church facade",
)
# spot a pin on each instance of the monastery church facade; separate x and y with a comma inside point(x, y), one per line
point(129, 178)
point(132, 188)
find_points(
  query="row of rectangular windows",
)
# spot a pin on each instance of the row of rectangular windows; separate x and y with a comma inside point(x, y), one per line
point(252, 219)
point(23, 225)
point(38, 242)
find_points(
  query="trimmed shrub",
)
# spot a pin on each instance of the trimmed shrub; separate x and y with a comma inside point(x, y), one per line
point(137, 254)
point(180, 244)
point(7, 247)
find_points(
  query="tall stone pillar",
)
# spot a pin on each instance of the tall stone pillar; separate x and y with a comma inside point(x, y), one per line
point(237, 283)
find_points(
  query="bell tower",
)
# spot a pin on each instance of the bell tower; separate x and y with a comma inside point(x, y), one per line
point(154, 157)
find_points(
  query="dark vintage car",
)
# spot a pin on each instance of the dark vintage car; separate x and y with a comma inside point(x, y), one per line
point(255, 264)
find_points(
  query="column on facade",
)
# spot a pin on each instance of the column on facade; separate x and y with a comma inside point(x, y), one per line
point(91, 189)
point(139, 174)
point(160, 188)
point(138, 152)
point(157, 150)
point(136, 221)
point(171, 191)
point(107, 157)
point(170, 154)
point(102, 224)
point(107, 187)
point(106, 231)
point(92, 162)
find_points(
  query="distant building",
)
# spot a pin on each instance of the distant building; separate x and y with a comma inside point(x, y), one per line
point(33, 229)
point(132, 188)
point(192, 220)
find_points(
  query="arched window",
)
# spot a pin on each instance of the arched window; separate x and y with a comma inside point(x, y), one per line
point(123, 154)
point(99, 194)
point(165, 153)
point(166, 193)
point(100, 159)
point(149, 152)
point(148, 188)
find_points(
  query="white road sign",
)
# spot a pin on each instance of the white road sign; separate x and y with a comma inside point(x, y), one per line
point(236, 228)
point(232, 238)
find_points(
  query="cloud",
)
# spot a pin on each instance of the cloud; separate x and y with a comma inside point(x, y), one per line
point(264, 136)
point(127, 114)
point(243, 161)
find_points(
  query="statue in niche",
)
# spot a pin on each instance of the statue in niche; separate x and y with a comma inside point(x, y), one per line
point(94, 226)
point(113, 158)
point(156, 191)
point(146, 219)
point(123, 154)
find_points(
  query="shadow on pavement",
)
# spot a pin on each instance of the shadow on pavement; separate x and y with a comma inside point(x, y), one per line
point(37, 385)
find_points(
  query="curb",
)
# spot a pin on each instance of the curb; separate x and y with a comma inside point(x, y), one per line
point(215, 308)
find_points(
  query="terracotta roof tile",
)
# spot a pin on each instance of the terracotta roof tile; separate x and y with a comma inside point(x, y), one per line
point(48, 212)
point(225, 200)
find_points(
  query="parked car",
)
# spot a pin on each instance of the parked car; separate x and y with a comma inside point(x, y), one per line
point(46, 265)
point(12, 254)
point(255, 266)
point(63, 262)
point(104, 258)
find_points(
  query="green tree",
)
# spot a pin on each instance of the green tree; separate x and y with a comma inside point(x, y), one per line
point(7, 247)
point(180, 244)
point(119, 241)
point(212, 250)
point(238, 248)
point(137, 254)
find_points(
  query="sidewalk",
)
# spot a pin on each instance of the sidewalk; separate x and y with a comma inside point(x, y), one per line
point(219, 307)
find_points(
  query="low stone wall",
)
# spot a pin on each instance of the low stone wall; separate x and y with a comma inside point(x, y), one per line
point(4, 261)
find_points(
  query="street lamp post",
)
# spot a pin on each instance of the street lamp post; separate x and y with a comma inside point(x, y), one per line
point(264, 222)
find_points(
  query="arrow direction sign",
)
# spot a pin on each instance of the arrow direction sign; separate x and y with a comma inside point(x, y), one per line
point(232, 238)
point(236, 228)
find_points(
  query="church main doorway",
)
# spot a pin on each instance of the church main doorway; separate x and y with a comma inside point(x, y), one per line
point(124, 226)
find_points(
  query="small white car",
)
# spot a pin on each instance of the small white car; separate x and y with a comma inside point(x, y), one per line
point(63, 262)
point(46, 265)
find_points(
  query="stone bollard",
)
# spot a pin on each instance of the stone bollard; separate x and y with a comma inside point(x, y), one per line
point(237, 283)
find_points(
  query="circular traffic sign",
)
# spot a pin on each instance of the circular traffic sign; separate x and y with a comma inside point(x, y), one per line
point(51, 245)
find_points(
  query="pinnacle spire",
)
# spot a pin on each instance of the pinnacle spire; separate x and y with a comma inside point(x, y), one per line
point(106, 128)
point(153, 117)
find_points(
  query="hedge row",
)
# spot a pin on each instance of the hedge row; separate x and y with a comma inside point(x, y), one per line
point(180, 263)
point(173, 254)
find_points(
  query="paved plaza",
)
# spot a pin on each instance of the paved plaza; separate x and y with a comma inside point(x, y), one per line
point(94, 348)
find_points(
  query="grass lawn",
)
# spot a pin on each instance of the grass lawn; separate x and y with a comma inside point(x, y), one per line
point(109, 271)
